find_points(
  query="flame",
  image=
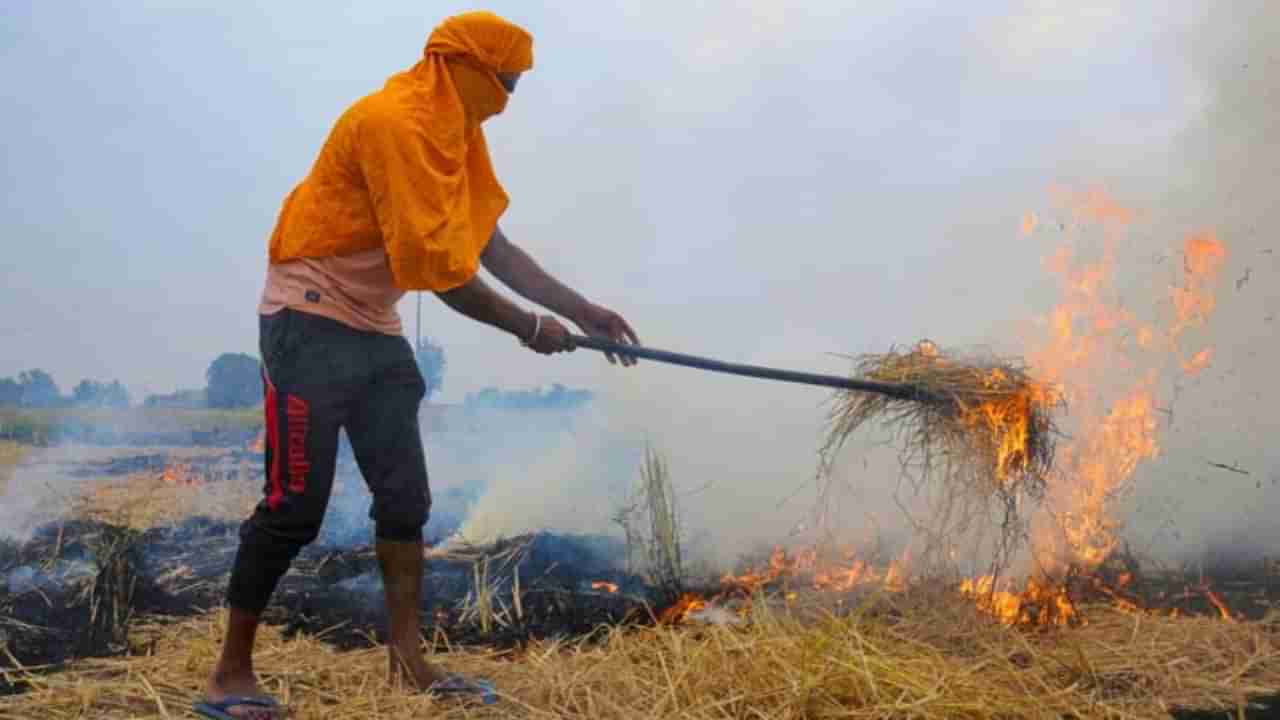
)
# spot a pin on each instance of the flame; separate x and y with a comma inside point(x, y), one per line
point(686, 604)
point(181, 474)
point(259, 444)
point(895, 576)
point(1107, 363)
point(604, 585)
point(1029, 222)
point(1040, 603)
point(1198, 362)
point(1220, 604)
point(1005, 420)
point(1194, 301)
point(804, 566)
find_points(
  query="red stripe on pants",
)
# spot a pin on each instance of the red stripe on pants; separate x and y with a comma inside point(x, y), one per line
point(273, 444)
point(297, 419)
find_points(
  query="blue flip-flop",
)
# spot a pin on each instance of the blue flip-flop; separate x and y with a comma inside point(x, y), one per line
point(461, 686)
point(220, 710)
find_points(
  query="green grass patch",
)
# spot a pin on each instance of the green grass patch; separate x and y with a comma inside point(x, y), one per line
point(45, 426)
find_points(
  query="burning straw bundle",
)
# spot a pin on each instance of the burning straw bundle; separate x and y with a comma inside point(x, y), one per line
point(981, 428)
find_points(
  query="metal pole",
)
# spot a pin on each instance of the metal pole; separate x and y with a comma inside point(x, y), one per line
point(894, 390)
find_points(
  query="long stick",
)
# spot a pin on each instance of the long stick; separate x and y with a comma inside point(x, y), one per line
point(894, 390)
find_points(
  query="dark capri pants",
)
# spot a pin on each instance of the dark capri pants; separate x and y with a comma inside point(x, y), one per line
point(321, 376)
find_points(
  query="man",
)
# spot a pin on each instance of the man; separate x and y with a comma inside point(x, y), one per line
point(401, 197)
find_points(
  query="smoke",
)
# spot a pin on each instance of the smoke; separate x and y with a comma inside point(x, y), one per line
point(741, 454)
point(497, 474)
point(1188, 506)
point(743, 451)
point(782, 184)
point(40, 490)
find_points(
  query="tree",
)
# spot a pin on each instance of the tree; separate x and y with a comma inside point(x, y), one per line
point(559, 398)
point(91, 393)
point(38, 389)
point(181, 399)
point(431, 364)
point(116, 396)
point(234, 381)
point(10, 393)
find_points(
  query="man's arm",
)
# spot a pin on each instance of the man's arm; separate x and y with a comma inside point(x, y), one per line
point(520, 272)
point(478, 301)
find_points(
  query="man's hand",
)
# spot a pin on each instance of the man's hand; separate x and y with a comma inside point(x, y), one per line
point(515, 268)
point(548, 336)
point(597, 321)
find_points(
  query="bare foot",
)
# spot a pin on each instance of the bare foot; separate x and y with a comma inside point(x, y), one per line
point(224, 685)
point(408, 665)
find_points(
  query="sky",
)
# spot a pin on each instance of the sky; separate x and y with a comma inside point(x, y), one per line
point(749, 180)
point(754, 181)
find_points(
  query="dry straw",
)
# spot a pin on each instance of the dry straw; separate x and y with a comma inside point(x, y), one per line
point(983, 438)
point(932, 660)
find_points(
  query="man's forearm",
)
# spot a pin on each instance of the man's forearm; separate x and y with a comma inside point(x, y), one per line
point(520, 272)
point(480, 302)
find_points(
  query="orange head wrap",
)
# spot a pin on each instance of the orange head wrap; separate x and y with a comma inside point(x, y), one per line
point(486, 38)
point(475, 47)
point(423, 164)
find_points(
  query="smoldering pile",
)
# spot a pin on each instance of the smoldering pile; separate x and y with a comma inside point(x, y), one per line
point(74, 589)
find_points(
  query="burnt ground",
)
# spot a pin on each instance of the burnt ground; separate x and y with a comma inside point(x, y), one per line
point(73, 588)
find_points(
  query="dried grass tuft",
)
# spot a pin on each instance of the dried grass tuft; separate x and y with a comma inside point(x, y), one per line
point(651, 527)
point(117, 555)
point(983, 438)
point(11, 453)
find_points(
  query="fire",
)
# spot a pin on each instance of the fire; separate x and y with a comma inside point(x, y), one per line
point(1041, 603)
point(1198, 362)
point(1005, 421)
point(1193, 301)
point(604, 585)
point(688, 603)
point(1029, 222)
point(1220, 605)
point(259, 444)
point(181, 474)
point(1095, 349)
point(1106, 362)
point(805, 566)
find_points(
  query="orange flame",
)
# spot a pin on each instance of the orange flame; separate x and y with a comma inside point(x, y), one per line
point(181, 474)
point(604, 585)
point(1194, 300)
point(1086, 354)
point(1220, 605)
point(1029, 222)
point(1198, 362)
point(686, 604)
point(1040, 603)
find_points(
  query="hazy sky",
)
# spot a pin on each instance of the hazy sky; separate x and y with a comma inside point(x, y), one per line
point(754, 180)
point(759, 181)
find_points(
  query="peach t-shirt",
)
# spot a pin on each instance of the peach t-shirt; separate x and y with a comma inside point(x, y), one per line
point(357, 290)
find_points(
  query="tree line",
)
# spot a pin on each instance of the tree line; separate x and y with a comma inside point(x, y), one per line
point(234, 380)
point(36, 388)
